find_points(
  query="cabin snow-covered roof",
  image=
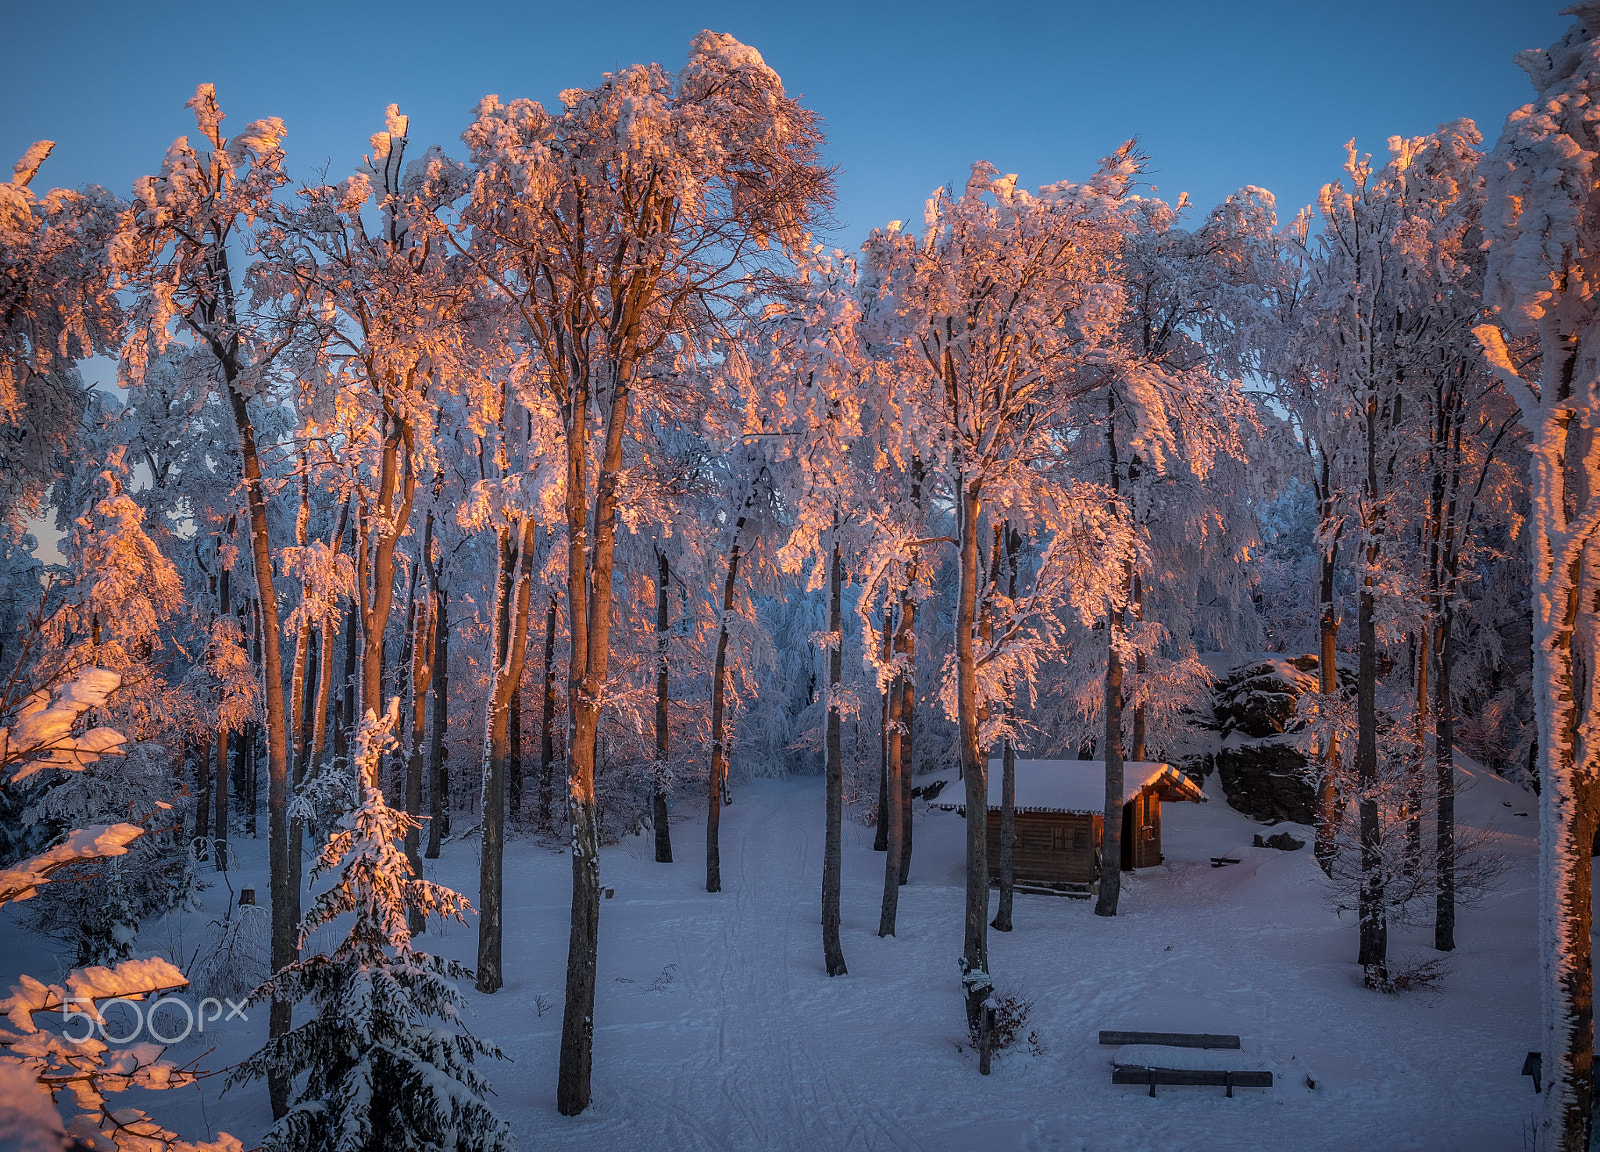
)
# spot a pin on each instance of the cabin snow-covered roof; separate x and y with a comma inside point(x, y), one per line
point(1070, 785)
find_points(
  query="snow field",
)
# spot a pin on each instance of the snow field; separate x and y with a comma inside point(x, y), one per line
point(717, 1029)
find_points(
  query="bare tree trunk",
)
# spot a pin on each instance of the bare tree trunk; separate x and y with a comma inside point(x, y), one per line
point(513, 598)
point(1328, 814)
point(976, 981)
point(719, 753)
point(1421, 667)
point(891, 817)
point(908, 722)
point(303, 696)
point(326, 632)
point(1136, 750)
point(906, 642)
point(421, 675)
point(251, 618)
point(219, 839)
point(1444, 912)
point(1008, 837)
point(404, 682)
point(833, 837)
point(1374, 924)
point(1008, 773)
point(514, 756)
point(1116, 624)
point(347, 713)
point(658, 797)
point(589, 604)
point(202, 794)
point(382, 528)
point(438, 771)
point(880, 834)
point(1111, 830)
point(547, 736)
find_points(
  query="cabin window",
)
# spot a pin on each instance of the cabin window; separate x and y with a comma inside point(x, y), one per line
point(1058, 838)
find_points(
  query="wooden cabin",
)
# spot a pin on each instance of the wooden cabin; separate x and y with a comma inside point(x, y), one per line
point(1060, 808)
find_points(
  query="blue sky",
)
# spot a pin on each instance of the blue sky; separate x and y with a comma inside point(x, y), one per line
point(1220, 94)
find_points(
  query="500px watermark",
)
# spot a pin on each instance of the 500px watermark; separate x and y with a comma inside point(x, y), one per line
point(174, 1026)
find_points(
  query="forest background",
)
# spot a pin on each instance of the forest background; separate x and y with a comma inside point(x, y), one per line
point(403, 358)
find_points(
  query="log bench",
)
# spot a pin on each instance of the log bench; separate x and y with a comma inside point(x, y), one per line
point(1183, 1058)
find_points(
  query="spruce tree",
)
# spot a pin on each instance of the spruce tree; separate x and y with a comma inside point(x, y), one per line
point(387, 1065)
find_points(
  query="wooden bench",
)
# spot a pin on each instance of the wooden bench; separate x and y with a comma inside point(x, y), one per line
point(1171, 1039)
point(1219, 861)
point(1141, 1065)
point(1138, 1074)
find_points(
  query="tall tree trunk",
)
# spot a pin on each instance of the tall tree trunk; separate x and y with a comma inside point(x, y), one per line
point(833, 836)
point(719, 752)
point(658, 797)
point(907, 642)
point(1008, 837)
point(547, 736)
point(421, 675)
point(513, 597)
point(1374, 924)
point(303, 689)
point(312, 694)
point(976, 981)
point(514, 756)
point(891, 817)
point(1422, 666)
point(326, 631)
point(202, 794)
point(1116, 625)
point(439, 720)
point(1136, 749)
point(347, 726)
point(880, 833)
point(252, 620)
point(381, 529)
point(589, 596)
point(219, 839)
point(404, 682)
point(1008, 772)
point(1111, 830)
point(1444, 912)
point(1328, 807)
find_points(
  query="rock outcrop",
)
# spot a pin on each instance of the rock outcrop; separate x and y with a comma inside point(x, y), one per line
point(1266, 775)
point(1267, 780)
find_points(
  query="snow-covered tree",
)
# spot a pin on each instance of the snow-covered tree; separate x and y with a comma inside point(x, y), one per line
point(385, 1060)
point(618, 230)
point(54, 1086)
point(1004, 313)
point(174, 249)
point(1544, 256)
point(57, 308)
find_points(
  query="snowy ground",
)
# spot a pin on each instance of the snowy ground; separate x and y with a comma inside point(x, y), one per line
point(716, 1027)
